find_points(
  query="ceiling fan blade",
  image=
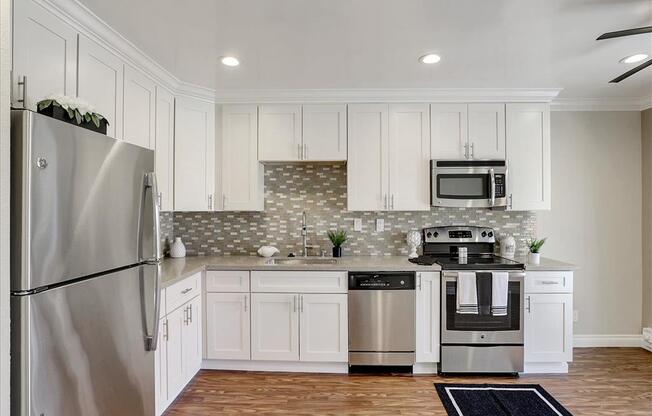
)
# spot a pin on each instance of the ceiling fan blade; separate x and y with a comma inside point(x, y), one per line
point(626, 32)
point(632, 71)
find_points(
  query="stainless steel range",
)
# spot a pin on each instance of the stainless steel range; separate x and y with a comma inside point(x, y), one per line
point(482, 322)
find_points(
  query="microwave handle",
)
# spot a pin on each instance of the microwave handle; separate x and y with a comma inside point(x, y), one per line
point(492, 177)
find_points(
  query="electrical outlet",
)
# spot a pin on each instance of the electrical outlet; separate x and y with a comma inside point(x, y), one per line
point(380, 225)
point(576, 316)
point(357, 224)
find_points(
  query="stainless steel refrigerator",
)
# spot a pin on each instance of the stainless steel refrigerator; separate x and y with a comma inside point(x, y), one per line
point(84, 273)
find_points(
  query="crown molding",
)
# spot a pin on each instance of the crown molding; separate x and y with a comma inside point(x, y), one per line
point(386, 95)
point(602, 104)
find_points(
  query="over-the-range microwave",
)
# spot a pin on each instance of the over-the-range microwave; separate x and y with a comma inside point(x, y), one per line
point(468, 183)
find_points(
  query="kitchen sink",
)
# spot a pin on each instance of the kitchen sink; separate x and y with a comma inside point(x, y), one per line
point(298, 261)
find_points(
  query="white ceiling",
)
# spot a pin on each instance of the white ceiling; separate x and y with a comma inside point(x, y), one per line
point(315, 44)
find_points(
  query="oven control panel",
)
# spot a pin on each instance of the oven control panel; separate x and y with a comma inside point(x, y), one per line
point(459, 235)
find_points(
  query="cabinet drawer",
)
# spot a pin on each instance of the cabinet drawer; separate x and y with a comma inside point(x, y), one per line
point(548, 282)
point(227, 281)
point(299, 281)
point(181, 292)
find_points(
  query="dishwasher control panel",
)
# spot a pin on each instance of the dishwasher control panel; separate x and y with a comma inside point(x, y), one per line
point(381, 281)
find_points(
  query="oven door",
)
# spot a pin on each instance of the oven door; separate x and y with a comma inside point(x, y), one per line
point(482, 328)
point(468, 185)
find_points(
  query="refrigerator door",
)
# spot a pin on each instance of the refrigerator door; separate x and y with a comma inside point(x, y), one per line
point(82, 202)
point(82, 349)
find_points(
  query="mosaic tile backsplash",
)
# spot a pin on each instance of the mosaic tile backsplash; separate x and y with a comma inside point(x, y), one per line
point(320, 190)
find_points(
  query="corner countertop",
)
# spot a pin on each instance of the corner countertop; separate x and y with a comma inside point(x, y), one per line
point(174, 270)
point(546, 264)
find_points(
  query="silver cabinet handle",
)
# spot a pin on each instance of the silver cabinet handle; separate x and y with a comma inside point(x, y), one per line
point(510, 201)
point(245, 303)
point(160, 200)
point(185, 315)
point(492, 178)
point(466, 150)
point(299, 151)
point(294, 303)
point(186, 290)
point(24, 84)
point(472, 151)
point(392, 202)
point(223, 201)
point(210, 202)
point(190, 313)
point(548, 282)
point(386, 202)
point(166, 336)
point(419, 281)
point(529, 305)
point(301, 302)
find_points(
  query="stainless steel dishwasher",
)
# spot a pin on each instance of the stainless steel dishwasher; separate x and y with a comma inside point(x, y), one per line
point(381, 318)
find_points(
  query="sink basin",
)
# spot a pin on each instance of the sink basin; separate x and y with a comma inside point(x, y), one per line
point(298, 261)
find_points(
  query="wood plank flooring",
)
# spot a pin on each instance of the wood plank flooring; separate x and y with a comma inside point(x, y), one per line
point(601, 381)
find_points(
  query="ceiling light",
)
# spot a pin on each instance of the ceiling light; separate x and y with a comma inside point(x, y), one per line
point(430, 58)
point(634, 58)
point(230, 61)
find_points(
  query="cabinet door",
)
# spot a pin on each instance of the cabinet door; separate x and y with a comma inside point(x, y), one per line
point(176, 370)
point(227, 326)
point(194, 155)
point(448, 134)
point(486, 129)
point(409, 157)
point(242, 175)
point(279, 133)
point(528, 154)
point(192, 338)
point(323, 327)
point(368, 162)
point(161, 367)
point(100, 82)
point(164, 145)
point(548, 328)
point(324, 132)
point(428, 313)
point(274, 326)
point(45, 52)
point(139, 109)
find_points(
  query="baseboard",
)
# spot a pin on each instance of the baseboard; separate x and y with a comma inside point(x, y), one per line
point(624, 340)
point(424, 368)
point(545, 368)
point(283, 366)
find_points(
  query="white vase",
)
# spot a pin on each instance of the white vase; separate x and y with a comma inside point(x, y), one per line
point(534, 258)
point(177, 249)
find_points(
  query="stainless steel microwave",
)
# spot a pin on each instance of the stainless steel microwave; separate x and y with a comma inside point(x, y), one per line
point(468, 183)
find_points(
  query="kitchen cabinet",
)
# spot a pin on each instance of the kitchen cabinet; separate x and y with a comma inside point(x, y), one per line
point(44, 53)
point(467, 131)
point(194, 155)
point(323, 325)
point(528, 156)
point(139, 108)
point(161, 366)
point(279, 134)
point(164, 147)
point(192, 338)
point(228, 326)
point(548, 327)
point(324, 132)
point(274, 326)
point(101, 82)
point(427, 317)
point(242, 183)
point(176, 361)
point(388, 157)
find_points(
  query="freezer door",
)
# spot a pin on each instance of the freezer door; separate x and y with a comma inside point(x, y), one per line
point(84, 349)
point(82, 202)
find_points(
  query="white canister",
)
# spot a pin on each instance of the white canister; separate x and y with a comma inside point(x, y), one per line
point(508, 247)
point(534, 258)
point(177, 249)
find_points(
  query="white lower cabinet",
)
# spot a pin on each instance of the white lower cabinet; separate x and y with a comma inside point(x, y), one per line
point(176, 363)
point(427, 319)
point(161, 369)
point(228, 326)
point(275, 326)
point(323, 327)
point(548, 327)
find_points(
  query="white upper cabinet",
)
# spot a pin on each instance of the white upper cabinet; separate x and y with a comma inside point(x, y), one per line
point(241, 174)
point(164, 145)
point(367, 167)
point(448, 131)
point(45, 53)
point(139, 109)
point(194, 155)
point(100, 82)
point(324, 132)
point(486, 130)
point(528, 156)
point(427, 319)
point(409, 157)
point(279, 135)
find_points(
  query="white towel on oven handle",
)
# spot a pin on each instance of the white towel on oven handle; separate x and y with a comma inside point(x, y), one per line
point(467, 293)
point(499, 295)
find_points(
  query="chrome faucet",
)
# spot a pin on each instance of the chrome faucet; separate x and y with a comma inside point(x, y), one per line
point(304, 236)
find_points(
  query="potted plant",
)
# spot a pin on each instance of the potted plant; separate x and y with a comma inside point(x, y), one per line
point(534, 256)
point(74, 111)
point(337, 238)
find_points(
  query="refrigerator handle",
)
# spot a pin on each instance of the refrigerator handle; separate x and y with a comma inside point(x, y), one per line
point(151, 340)
point(151, 183)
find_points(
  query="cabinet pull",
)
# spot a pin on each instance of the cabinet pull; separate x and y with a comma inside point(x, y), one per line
point(210, 202)
point(165, 330)
point(299, 151)
point(223, 201)
point(301, 303)
point(160, 200)
point(419, 281)
point(385, 202)
point(24, 84)
point(185, 315)
point(190, 313)
point(548, 282)
point(529, 305)
point(472, 151)
point(186, 290)
point(392, 202)
point(510, 201)
point(564, 281)
point(245, 303)
point(294, 303)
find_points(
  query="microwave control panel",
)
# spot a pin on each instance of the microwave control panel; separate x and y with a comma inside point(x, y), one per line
point(500, 185)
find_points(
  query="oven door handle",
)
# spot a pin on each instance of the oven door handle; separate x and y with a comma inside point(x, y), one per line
point(492, 177)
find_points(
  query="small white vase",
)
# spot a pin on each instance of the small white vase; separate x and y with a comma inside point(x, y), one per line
point(177, 249)
point(534, 258)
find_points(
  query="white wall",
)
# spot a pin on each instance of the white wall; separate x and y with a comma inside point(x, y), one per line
point(646, 137)
point(595, 221)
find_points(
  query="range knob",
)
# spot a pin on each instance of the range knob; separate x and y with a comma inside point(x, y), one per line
point(484, 234)
point(429, 234)
point(436, 234)
point(491, 233)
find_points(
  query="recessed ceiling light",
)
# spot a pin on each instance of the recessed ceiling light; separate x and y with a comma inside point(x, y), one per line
point(230, 61)
point(430, 58)
point(634, 58)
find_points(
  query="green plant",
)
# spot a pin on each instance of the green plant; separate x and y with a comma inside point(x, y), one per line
point(535, 245)
point(75, 108)
point(337, 237)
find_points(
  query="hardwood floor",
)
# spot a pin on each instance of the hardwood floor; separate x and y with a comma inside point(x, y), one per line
point(601, 381)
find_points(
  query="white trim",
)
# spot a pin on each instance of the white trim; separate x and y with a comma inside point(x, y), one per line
point(601, 104)
point(424, 368)
point(287, 366)
point(392, 95)
point(545, 368)
point(624, 340)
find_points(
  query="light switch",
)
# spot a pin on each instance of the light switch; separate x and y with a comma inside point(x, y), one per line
point(357, 224)
point(380, 225)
